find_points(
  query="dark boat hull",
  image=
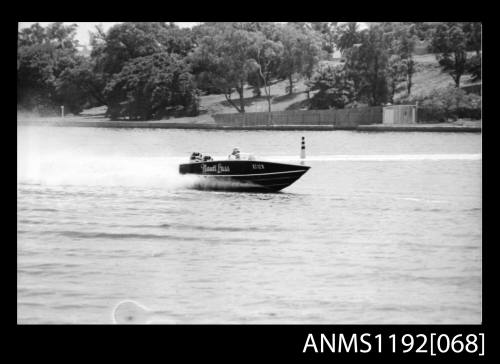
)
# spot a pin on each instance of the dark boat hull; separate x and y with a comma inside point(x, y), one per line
point(242, 175)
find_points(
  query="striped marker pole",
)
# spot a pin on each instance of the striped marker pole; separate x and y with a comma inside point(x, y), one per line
point(303, 148)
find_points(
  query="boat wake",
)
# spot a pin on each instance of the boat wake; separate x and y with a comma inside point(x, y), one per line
point(211, 184)
point(355, 157)
point(101, 171)
point(380, 157)
point(162, 172)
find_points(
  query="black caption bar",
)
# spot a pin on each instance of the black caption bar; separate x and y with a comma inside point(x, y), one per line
point(432, 344)
point(285, 343)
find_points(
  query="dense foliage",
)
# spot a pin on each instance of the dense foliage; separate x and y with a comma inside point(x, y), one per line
point(445, 104)
point(152, 87)
point(366, 64)
point(151, 70)
point(267, 55)
point(301, 51)
point(222, 60)
point(45, 57)
point(334, 87)
point(452, 42)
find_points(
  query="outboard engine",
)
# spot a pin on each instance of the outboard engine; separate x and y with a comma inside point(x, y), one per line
point(196, 157)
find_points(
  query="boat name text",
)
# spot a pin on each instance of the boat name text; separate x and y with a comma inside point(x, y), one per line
point(217, 168)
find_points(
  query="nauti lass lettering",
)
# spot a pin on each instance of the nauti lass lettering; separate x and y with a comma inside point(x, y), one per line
point(217, 168)
point(221, 168)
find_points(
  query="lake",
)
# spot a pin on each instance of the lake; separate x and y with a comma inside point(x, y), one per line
point(384, 228)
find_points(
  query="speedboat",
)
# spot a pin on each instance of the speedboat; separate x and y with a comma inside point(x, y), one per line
point(241, 173)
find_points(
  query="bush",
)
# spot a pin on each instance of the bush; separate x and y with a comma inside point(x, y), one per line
point(445, 104)
point(335, 88)
point(152, 87)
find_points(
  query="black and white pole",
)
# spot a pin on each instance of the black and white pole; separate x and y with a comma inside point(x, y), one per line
point(62, 111)
point(303, 148)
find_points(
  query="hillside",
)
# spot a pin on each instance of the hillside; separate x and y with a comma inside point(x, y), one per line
point(281, 100)
point(217, 104)
point(428, 77)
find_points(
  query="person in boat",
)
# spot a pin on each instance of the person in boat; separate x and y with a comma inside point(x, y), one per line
point(207, 158)
point(196, 157)
point(235, 154)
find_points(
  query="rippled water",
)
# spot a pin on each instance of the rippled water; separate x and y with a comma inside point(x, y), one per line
point(384, 228)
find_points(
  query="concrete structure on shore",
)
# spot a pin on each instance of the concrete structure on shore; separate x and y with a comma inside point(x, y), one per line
point(399, 114)
point(336, 118)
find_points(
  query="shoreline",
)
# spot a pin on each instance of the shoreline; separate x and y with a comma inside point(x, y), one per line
point(469, 127)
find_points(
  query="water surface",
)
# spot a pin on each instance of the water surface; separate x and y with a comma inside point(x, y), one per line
point(384, 228)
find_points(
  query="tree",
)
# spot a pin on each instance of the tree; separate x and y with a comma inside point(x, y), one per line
point(35, 76)
point(327, 32)
point(267, 56)
point(403, 45)
point(79, 87)
point(474, 67)
point(366, 64)
point(422, 30)
point(62, 36)
point(255, 80)
point(335, 88)
point(347, 35)
point(396, 72)
point(44, 55)
point(152, 87)
point(129, 40)
point(222, 60)
point(31, 36)
point(400, 39)
point(301, 51)
point(450, 42)
point(473, 32)
point(124, 42)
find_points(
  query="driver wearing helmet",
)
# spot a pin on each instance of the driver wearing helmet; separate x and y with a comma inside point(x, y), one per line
point(235, 154)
